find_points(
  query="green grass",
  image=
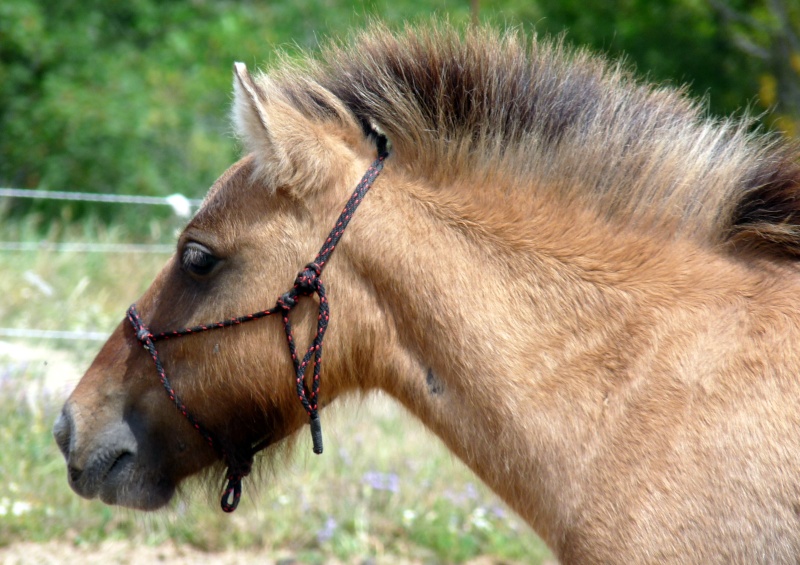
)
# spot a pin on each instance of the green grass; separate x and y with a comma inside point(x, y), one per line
point(87, 291)
point(385, 488)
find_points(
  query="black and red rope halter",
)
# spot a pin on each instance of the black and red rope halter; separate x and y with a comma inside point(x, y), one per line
point(307, 283)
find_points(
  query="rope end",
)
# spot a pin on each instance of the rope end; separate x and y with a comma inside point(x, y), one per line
point(316, 433)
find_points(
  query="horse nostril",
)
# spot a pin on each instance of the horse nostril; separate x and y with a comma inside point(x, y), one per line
point(62, 432)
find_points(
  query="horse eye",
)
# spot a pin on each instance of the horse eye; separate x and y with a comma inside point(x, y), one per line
point(198, 259)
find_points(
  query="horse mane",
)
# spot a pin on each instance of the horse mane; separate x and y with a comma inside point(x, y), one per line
point(482, 103)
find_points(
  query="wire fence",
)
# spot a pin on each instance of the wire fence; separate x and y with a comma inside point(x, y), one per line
point(181, 206)
point(53, 334)
point(28, 246)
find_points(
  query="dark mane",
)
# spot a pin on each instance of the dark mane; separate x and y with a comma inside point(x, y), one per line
point(487, 103)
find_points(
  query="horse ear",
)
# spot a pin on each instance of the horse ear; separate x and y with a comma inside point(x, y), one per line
point(291, 150)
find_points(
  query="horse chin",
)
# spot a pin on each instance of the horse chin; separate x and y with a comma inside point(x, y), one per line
point(118, 478)
point(127, 485)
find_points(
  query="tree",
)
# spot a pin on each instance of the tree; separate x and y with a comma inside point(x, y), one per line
point(742, 55)
point(132, 96)
point(767, 33)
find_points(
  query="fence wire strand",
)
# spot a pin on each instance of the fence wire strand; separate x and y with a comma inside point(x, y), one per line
point(53, 334)
point(86, 247)
point(95, 197)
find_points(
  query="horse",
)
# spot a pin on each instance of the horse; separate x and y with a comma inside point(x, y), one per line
point(581, 282)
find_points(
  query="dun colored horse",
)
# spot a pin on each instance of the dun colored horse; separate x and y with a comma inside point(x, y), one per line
point(584, 286)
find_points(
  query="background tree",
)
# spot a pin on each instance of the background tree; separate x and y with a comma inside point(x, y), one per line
point(768, 34)
point(132, 96)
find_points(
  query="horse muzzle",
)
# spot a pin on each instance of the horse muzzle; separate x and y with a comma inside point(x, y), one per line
point(109, 466)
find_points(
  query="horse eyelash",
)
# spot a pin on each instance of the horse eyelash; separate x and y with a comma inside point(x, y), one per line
point(198, 259)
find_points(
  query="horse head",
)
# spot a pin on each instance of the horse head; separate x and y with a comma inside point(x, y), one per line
point(238, 386)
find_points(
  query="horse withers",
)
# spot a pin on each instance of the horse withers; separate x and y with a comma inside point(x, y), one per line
point(583, 286)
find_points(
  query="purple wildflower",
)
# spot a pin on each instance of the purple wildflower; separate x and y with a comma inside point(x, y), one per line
point(382, 481)
point(327, 531)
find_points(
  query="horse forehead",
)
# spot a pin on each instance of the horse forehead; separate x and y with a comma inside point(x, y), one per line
point(230, 196)
point(238, 175)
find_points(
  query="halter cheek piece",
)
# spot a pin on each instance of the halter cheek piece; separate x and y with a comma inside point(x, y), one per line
point(307, 283)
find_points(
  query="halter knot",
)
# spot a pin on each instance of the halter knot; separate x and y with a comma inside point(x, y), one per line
point(287, 300)
point(307, 281)
point(143, 334)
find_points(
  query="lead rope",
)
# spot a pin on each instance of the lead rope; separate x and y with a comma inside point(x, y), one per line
point(307, 283)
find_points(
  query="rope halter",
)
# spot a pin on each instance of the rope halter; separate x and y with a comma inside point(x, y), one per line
point(307, 283)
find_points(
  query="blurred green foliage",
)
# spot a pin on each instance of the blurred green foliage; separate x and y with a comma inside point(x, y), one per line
point(742, 55)
point(132, 96)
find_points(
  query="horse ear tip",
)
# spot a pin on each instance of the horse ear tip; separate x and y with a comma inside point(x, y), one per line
point(240, 69)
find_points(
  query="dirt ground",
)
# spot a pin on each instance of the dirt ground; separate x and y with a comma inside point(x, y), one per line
point(124, 553)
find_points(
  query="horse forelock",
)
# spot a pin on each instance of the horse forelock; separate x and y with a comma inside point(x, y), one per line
point(486, 104)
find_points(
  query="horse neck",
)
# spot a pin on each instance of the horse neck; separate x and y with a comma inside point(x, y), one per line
point(506, 349)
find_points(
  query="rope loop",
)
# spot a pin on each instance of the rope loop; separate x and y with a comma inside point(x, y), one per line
point(233, 493)
point(233, 490)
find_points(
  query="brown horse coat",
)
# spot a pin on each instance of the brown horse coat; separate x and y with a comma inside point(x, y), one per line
point(587, 289)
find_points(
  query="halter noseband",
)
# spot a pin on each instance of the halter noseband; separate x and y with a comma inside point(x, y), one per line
point(307, 283)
